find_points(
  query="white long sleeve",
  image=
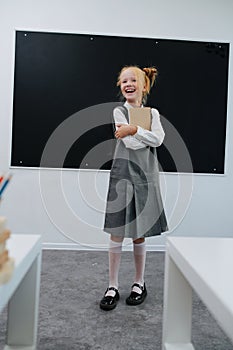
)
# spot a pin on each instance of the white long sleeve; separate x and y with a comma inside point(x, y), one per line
point(143, 137)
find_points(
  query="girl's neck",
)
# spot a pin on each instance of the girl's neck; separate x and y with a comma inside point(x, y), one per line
point(134, 103)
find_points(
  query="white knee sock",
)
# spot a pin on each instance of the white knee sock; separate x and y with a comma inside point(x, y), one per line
point(114, 254)
point(139, 261)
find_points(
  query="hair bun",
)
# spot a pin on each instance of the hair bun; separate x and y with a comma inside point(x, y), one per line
point(151, 72)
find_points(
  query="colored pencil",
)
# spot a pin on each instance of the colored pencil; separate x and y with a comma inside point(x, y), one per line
point(1, 178)
point(4, 185)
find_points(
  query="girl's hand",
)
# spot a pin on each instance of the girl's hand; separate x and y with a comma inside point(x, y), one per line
point(125, 130)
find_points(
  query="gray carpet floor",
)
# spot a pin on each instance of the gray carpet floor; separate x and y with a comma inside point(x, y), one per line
point(73, 282)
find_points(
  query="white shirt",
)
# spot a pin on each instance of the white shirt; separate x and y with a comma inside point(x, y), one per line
point(143, 137)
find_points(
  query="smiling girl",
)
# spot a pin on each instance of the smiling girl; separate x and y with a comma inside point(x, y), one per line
point(134, 205)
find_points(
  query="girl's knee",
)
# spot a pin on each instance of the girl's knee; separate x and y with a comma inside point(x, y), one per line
point(139, 240)
point(116, 238)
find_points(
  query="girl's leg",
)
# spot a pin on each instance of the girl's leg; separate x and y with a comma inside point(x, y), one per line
point(138, 291)
point(139, 248)
point(115, 248)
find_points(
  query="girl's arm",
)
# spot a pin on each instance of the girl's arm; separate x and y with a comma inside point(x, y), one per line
point(130, 141)
point(139, 137)
point(155, 137)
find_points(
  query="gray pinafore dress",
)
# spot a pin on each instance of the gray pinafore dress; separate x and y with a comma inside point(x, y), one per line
point(134, 205)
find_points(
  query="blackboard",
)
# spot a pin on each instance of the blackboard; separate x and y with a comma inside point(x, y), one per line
point(65, 90)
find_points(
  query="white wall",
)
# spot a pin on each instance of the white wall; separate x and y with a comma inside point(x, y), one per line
point(79, 214)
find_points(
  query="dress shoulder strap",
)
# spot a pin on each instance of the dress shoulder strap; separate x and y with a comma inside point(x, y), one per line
point(124, 110)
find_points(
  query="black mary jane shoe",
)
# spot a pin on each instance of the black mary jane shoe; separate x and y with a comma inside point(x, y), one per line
point(109, 303)
point(136, 298)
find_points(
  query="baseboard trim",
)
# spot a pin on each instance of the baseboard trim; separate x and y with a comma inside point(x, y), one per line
point(96, 247)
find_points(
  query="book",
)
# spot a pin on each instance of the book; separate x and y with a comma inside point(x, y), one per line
point(6, 263)
point(4, 257)
point(140, 117)
point(2, 223)
point(4, 233)
point(6, 271)
point(4, 236)
point(2, 246)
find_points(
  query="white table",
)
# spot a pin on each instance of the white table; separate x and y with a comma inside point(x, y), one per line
point(204, 265)
point(22, 292)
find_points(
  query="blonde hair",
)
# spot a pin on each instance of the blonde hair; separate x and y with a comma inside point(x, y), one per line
point(146, 77)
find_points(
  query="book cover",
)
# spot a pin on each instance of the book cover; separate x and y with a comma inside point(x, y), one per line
point(6, 271)
point(4, 256)
point(4, 235)
point(2, 224)
point(140, 117)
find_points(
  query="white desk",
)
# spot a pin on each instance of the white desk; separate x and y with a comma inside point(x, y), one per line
point(22, 292)
point(204, 265)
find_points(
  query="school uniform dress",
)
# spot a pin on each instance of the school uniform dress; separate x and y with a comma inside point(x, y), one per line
point(134, 205)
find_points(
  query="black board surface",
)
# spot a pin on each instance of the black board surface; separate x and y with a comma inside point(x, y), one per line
point(60, 76)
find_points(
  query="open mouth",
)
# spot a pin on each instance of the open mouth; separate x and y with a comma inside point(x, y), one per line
point(129, 90)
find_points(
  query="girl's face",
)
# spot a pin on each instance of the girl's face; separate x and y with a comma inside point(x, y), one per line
point(131, 87)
